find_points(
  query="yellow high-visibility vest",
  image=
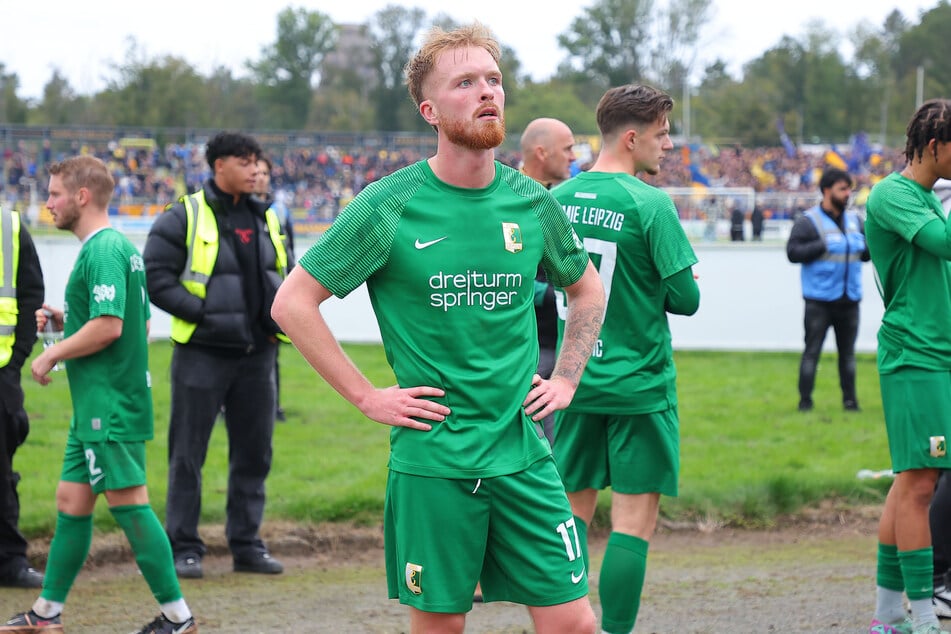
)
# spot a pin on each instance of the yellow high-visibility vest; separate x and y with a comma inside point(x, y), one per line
point(201, 237)
point(10, 262)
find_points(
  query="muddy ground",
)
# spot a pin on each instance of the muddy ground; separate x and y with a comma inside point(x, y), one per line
point(812, 573)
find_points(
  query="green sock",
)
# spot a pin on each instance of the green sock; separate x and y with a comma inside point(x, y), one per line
point(621, 581)
point(582, 529)
point(888, 574)
point(917, 569)
point(891, 586)
point(152, 550)
point(68, 551)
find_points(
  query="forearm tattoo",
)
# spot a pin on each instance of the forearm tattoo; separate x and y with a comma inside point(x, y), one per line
point(581, 333)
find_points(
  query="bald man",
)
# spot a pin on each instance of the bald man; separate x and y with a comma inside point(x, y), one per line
point(547, 151)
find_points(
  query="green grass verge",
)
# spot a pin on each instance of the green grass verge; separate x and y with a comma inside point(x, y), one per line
point(747, 454)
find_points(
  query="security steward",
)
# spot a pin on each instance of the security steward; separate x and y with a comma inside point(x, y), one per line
point(21, 295)
point(214, 261)
point(829, 241)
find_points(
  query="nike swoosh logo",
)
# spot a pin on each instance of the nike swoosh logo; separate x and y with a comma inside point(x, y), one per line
point(423, 245)
point(577, 578)
point(97, 479)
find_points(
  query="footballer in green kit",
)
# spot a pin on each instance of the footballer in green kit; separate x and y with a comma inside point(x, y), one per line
point(622, 430)
point(909, 239)
point(105, 351)
point(449, 248)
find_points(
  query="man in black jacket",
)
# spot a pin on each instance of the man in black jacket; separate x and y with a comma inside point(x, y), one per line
point(214, 262)
point(23, 284)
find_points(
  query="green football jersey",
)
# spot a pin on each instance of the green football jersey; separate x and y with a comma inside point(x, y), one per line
point(450, 273)
point(635, 239)
point(915, 285)
point(111, 389)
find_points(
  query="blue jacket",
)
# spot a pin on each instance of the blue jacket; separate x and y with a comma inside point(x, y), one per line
point(837, 273)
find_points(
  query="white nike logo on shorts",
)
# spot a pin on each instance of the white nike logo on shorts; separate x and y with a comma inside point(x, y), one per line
point(577, 578)
point(423, 245)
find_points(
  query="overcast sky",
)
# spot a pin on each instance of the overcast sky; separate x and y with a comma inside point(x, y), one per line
point(81, 39)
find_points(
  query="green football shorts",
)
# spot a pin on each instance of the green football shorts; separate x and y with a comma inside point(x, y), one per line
point(917, 406)
point(515, 533)
point(632, 454)
point(105, 466)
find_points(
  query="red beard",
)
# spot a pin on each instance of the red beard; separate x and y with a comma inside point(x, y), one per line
point(477, 135)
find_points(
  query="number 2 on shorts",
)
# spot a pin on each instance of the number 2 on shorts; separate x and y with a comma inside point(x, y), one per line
point(91, 461)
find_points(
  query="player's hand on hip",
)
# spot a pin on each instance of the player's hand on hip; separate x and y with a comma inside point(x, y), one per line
point(401, 407)
point(547, 396)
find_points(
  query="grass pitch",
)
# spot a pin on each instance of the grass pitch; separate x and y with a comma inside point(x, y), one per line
point(748, 455)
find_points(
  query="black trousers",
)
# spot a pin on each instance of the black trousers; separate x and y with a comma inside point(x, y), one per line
point(843, 317)
point(939, 517)
point(202, 382)
point(14, 427)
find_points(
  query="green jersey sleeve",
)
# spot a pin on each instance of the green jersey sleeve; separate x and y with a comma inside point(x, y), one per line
point(358, 243)
point(564, 257)
point(670, 248)
point(903, 207)
point(107, 277)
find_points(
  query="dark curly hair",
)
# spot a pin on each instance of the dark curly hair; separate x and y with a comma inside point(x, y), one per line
point(231, 144)
point(931, 121)
point(832, 176)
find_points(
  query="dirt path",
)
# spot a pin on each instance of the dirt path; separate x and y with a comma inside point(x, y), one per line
point(813, 574)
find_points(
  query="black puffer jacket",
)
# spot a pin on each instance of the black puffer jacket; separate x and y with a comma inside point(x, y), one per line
point(225, 318)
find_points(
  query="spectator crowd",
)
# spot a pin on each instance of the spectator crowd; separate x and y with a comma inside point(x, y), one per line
point(317, 182)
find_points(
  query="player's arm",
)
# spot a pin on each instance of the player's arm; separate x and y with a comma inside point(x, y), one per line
point(935, 239)
point(585, 312)
point(95, 335)
point(296, 309)
point(683, 294)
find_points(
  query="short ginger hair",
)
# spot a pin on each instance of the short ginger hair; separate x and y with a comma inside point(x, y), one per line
point(438, 41)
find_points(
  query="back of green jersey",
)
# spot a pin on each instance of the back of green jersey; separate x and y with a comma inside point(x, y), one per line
point(635, 239)
point(450, 273)
point(111, 389)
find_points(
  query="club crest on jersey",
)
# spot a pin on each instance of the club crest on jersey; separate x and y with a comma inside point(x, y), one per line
point(414, 572)
point(513, 237)
point(938, 446)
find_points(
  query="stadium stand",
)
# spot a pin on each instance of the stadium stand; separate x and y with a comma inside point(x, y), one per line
point(316, 174)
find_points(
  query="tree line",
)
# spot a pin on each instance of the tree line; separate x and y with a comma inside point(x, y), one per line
point(318, 75)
